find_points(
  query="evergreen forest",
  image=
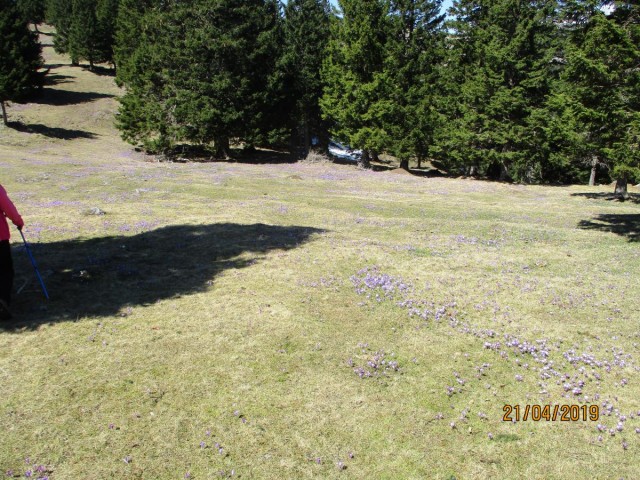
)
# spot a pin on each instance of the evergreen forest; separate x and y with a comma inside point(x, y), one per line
point(538, 91)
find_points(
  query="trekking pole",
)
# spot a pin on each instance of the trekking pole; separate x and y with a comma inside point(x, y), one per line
point(33, 262)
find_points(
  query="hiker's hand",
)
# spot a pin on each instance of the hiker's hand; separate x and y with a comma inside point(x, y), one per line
point(20, 227)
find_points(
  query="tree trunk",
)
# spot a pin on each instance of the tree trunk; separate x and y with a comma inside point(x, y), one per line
point(621, 189)
point(307, 139)
point(404, 164)
point(419, 163)
point(4, 113)
point(504, 173)
point(594, 165)
point(364, 160)
point(374, 156)
point(222, 148)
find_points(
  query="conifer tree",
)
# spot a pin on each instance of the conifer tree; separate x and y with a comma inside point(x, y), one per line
point(20, 57)
point(306, 34)
point(414, 52)
point(357, 97)
point(499, 78)
point(59, 13)
point(130, 28)
point(106, 17)
point(84, 33)
point(33, 11)
point(202, 73)
point(604, 86)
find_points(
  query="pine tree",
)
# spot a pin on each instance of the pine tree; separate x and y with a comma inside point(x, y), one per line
point(201, 73)
point(270, 127)
point(306, 34)
point(106, 17)
point(357, 97)
point(84, 33)
point(500, 78)
point(20, 57)
point(414, 52)
point(603, 78)
point(129, 30)
point(59, 13)
point(33, 11)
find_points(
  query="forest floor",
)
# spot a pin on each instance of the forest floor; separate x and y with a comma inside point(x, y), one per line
point(298, 320)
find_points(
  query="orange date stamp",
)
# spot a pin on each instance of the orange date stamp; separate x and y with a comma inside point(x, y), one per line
point(551, 413)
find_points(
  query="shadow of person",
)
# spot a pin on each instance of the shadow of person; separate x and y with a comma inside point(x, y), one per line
point(103, 276)
point(626, 225)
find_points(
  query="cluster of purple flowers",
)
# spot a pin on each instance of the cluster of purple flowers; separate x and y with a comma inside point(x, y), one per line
point(34, 470)
point(373, 284)
point(369, 281)
point(375, 363)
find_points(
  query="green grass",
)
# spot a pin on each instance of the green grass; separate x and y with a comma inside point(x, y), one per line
point(219, 297)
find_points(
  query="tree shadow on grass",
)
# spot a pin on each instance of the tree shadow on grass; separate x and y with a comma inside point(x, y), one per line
point(626, 225)
point(202, 154)
point(57, 79)
point(633, 197)
point(100, 70)
point(104, 276)
point(56, 97)
point(51, 132)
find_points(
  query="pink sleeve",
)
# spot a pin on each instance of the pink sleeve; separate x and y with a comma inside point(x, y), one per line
point(9, 209)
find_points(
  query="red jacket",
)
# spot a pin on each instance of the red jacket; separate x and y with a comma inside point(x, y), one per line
point(8, 209)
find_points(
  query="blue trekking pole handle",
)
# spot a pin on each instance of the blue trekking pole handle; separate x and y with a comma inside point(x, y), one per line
point(33, 262)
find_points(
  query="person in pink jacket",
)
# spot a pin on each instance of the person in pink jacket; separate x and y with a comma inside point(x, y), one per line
point(7, 210)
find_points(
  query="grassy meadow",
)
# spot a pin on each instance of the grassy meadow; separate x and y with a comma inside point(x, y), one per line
point(296, 320)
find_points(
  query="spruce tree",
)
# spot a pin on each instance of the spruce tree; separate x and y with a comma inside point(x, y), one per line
point(33, 11)
point(414, 53)
point(106, 17)
point(357, 96)
point(59, 13)
point(20, 57)
point(603, 78)
point(499, 79)
point(130, 28)
point(306, 35)
point(84, 32)
point(201, 72)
